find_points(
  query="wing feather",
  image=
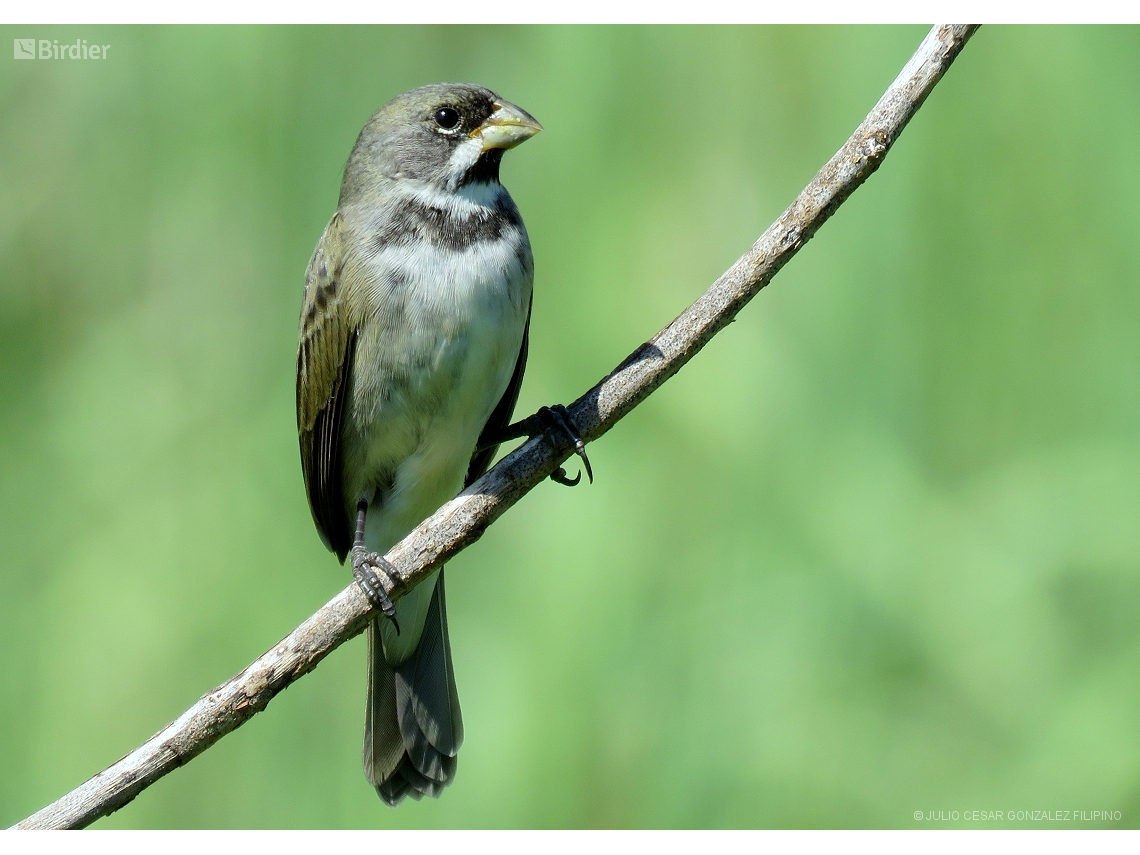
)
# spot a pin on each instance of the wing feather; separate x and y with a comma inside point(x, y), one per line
point(324, 363)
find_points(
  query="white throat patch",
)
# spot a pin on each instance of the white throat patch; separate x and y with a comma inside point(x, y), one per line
point(462, 159)
point(475, 198)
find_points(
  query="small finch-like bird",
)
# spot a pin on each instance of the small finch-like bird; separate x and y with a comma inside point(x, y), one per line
point(413, 342)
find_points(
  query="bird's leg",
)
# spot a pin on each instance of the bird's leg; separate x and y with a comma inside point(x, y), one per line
point(557, 425)
point(372, 570)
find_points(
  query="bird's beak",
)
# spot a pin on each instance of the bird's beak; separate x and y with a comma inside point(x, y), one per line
point(506, 127)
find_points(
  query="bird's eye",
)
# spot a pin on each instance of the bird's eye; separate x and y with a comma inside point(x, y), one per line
point(446, 118)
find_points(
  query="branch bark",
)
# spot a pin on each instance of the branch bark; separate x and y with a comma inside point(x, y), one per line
point(462, 521)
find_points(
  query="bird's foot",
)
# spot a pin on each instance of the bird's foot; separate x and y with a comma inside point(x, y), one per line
point(377, 578)
point(556, 424)
point(558, 427)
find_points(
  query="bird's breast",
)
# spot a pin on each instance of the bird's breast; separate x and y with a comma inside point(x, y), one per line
point(442, 327)
point(437, 311)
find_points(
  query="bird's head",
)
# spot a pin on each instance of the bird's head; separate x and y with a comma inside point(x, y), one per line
point(448, 135)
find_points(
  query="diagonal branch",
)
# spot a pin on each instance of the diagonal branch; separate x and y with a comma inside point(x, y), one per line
point(461, 521)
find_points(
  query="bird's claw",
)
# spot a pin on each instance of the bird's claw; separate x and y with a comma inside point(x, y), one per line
point(557, 420)
point(371, 570)
point(559, 476)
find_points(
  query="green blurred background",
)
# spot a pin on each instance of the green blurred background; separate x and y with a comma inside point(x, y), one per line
point(906, 481)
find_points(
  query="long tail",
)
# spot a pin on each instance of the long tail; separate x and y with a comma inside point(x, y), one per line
point(413, 726)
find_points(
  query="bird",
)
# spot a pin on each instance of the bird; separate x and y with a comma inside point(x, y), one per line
point(412, 344)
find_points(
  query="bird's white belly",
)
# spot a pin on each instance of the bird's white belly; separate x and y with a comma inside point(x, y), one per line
point(461, 326)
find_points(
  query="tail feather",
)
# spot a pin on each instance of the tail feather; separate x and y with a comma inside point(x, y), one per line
point(414, 726)
point(406, 781)
point(429, 680)
point(383, 744)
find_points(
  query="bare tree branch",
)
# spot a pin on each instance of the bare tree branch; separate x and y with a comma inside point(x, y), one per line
point(461, 522)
